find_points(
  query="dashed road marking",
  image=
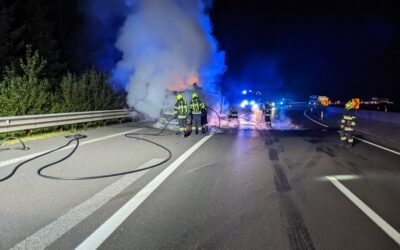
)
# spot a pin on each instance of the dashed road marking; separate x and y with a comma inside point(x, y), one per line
point(50, 233)
point(105, 230)
point(388, 229)
point(378, 146)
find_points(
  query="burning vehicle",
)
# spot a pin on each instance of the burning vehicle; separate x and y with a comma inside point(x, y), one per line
point(167, 112)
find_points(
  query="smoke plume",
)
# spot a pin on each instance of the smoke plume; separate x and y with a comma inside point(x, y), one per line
point(166, 45)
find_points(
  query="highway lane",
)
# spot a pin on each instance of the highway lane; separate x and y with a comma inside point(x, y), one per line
point(29, 202)
point(266, 190)
point(244, 188)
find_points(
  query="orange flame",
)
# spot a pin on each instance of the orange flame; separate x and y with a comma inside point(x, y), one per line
point(181, 85)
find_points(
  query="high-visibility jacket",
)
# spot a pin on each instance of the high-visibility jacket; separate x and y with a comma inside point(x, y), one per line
point(348, 121)
point(197, 106)
point(181, 109)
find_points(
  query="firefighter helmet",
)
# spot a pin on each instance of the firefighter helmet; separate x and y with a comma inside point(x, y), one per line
point(349, 105)
point(194, 95)
point(179, 97)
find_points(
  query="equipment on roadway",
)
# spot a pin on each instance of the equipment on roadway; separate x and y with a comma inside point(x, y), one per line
point(24, 147)
point(76, 138)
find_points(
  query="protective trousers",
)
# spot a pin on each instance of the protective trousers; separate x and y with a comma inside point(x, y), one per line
point(346, 135)
point(196, 125)
point(267, 118)
point(182, 124)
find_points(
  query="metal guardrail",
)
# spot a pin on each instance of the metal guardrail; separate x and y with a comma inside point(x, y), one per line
point(18, 123)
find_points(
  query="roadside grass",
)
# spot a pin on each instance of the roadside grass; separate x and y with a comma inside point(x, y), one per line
point(38, 136)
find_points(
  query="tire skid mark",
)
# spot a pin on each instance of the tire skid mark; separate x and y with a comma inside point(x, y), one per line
point(273, 155)
point(281, 181)
point(327, 150)
point(315, 159)
point(298, 234)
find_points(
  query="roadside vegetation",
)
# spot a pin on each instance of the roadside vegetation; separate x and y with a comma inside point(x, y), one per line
point(38, 72)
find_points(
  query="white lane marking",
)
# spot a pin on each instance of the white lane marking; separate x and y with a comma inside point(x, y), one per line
point(378, 146)
point(50, 233)
point(105, 230)
point(368, 142)
point(26, 157)
point(315, 120)
point(388, 229)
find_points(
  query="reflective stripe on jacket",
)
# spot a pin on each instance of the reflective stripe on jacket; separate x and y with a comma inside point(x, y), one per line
point(196, 106)
point(181, 109)
point(348, 121)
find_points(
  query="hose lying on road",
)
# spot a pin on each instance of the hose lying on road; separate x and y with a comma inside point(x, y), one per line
point(129, 135)
point(161, 130)
point(219, 118)
point(13, 138)
point(76, 138)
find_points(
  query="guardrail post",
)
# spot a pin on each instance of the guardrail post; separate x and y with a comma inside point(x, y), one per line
point(322, 115)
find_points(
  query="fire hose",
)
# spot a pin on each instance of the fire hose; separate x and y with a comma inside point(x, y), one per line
point(76, 139)
point(24, 147)
point(219, 118)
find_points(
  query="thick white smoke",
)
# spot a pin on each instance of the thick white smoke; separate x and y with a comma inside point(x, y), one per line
point(166, 45)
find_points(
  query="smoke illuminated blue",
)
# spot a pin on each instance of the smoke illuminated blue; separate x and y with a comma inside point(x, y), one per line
point(103, 24)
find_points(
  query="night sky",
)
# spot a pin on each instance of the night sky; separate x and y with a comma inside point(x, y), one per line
point(343, 50)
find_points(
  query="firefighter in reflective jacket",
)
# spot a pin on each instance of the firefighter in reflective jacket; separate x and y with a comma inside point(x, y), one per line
point(181, 112)
point(347, 125)
point(233, 114)
point(267, 110)
point(196, 108)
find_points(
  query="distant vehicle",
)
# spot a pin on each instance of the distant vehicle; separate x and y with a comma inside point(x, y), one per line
point(251, 101)
point(316, 100)
point(285, 103)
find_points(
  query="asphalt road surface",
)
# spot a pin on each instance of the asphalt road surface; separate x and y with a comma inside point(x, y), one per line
point(250, 187)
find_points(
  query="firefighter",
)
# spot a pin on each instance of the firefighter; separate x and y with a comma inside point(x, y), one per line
point(181, 112)
point(196, 109)
point(347, 125)
point(267, 110)
point(233, 114)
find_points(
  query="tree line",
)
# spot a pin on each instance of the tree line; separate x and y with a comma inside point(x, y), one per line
point(41, 68)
